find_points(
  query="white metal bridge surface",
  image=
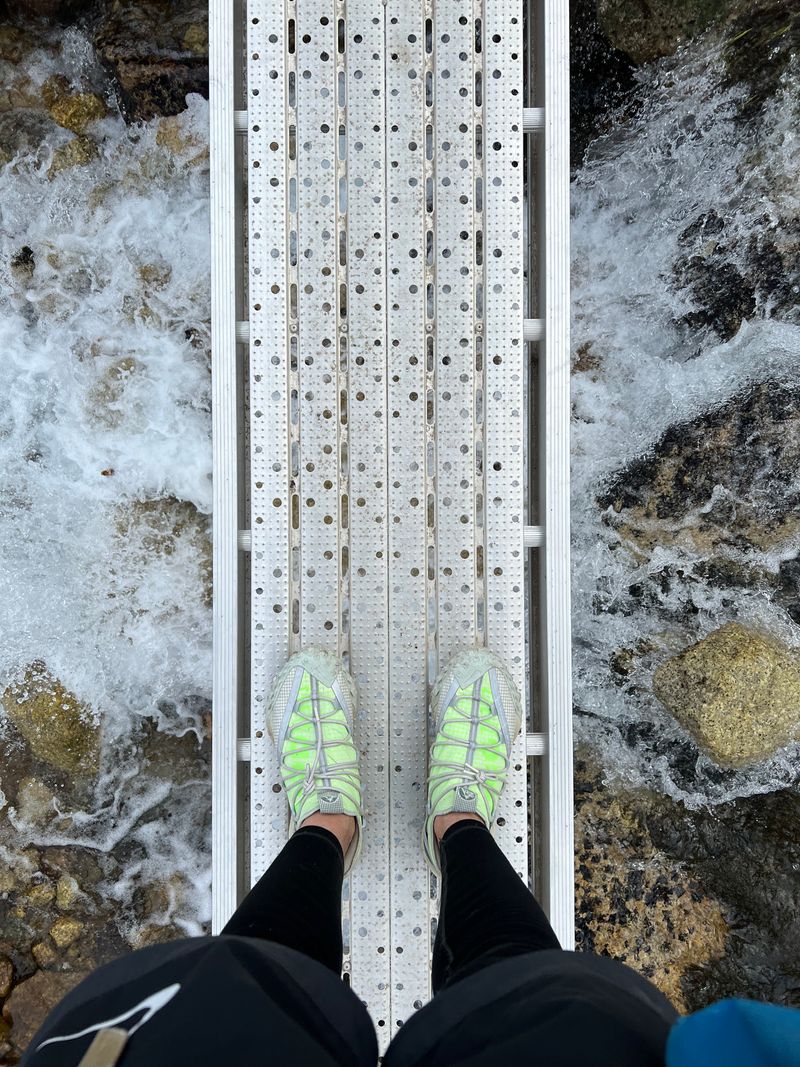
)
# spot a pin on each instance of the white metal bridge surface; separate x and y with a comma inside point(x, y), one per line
point(391, 422)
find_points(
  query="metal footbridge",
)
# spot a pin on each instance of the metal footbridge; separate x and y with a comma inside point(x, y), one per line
point(390, 328)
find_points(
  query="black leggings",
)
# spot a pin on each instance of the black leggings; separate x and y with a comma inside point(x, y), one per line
point(277, 982)
point(482, 918)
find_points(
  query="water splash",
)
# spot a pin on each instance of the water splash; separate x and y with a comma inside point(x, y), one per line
point(684, 153)
point(104, 322)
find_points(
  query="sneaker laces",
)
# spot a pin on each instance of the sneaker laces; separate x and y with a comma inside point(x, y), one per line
point(314, 772)
point(466, 771)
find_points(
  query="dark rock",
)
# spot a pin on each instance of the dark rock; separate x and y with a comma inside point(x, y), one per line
point(760, 42)
point(86, 866)
point(14, 40)
point(718, 286)
point(174, 759)
point(156, 52)
point(601, 76)
point(730, 280)
point(788, 592)
point(648, 29)
point(723, 479)
point(63, 11)
point(747, 854)
point(23, 132)
point(32, 1000)
point(24, 261)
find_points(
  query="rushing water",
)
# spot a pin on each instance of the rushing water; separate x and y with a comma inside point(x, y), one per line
point(105, 404)
point(127, 630)
point(685, 151)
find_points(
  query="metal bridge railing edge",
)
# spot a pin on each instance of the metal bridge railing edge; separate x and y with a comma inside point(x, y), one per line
point(224, 766)
point(556, 682)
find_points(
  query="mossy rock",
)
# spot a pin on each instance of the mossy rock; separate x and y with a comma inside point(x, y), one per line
point(736, 691)
point(58, 727)
point(76, 111)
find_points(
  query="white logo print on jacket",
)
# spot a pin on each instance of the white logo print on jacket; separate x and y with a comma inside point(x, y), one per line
point(150, 1005)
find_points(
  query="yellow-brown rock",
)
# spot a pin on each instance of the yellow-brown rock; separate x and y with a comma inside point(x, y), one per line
point(737, 692)
point(44, 954)
point(196, 38)
point(103, 399)
point(76, 153)
point(6, 975)
point(64, 930)
point(155, 275)
point(54, 87)
point(76, 111)
point(67, 892)
point(633, 903)
point(35, 802)
point(41, 895)
point(157, 526)
point(173, 135)
point(60, 730)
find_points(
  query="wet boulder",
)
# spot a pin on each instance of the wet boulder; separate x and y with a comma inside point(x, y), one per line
point(156, 52)
point(648, 31)
point(713, 506)
point(737, 692)
point(633, 902)
point(60, 730)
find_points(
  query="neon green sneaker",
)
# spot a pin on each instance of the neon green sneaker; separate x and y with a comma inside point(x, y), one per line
point(310, 718)
point(477, 712)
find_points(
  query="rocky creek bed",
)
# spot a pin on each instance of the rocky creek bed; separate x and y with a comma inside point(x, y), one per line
point(686, 572)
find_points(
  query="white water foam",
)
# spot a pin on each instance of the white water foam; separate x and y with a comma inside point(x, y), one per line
point(640, 186)
point(123, 627)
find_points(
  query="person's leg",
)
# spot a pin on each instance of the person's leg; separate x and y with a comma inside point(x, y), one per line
point(298, 901)
point(504, 989)
point(486, 913)
point(562, 1009)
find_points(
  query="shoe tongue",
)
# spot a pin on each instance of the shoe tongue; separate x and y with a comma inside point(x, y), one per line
point(465, 799)
point(331, 802)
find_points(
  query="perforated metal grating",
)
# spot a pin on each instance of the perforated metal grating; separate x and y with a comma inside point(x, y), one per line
point(385, 418)
point(385, 306)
